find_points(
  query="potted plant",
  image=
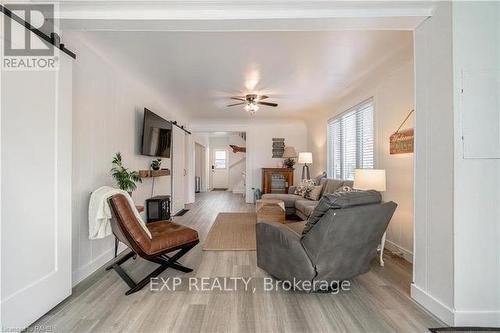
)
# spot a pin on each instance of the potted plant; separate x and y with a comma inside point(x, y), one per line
point(289, 162)
point(125, 179)
point(155, 164)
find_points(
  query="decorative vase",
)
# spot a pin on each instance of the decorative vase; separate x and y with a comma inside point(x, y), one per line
point(289, 163)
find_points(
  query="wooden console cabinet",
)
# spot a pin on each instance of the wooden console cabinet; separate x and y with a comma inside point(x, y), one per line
point(276, 180)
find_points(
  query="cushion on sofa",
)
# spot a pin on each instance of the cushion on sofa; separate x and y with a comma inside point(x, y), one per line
point(314, 193)
point(331, 185)
point(339, 200)
point(306, 206)
point(288, 199)
point(319, 178)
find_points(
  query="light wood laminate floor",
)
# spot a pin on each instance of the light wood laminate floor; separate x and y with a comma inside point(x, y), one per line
point(377, 302)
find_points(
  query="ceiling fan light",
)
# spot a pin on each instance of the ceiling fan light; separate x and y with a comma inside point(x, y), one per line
point(251, 107)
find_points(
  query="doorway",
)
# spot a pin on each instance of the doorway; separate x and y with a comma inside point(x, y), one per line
point(220, 172)
point(220, 161)
point(199, 168)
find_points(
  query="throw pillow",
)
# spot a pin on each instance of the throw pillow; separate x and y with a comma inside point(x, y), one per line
point(317, 179)
point(304, 186)
point(314, 193)
point(345, 189)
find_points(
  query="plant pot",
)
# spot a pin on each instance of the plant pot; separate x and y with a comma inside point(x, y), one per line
point(155, 168)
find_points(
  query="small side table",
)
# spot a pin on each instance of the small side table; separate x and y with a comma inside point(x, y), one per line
point(270, 210)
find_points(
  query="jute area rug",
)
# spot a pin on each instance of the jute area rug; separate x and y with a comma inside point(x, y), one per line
point(236, 232)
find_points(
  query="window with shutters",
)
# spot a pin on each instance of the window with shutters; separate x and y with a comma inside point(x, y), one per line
point(351, 141)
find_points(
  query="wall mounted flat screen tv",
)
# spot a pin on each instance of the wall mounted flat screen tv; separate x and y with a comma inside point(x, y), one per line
point(156, 135)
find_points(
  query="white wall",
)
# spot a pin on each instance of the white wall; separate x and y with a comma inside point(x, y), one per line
point(476, 49)
point(457, 257)
point(433, 252)
point(259, 143)
point(107, 118)
point(392, 88)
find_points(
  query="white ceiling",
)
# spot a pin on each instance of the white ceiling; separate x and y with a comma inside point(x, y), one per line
point(298, 70)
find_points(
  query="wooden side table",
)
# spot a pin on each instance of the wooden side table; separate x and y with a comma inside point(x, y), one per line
point(270, 210)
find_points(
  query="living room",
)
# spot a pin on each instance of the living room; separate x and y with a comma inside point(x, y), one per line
point(246, 134)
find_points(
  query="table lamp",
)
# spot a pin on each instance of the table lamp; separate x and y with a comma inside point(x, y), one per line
point(369, 179)
point(305, 158)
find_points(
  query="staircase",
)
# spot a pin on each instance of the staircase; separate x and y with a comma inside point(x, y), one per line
point(240, 188)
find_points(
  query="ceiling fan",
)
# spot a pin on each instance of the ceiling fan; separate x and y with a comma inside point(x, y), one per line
point(252, 102)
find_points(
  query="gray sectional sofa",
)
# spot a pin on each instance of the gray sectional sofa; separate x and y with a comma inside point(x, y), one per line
point(302, 207)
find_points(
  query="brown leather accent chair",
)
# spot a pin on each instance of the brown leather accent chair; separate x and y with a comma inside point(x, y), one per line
point(167, 237)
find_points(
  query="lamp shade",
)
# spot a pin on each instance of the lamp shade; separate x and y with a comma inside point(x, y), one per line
point(369, 179)
point(305, 157)
point(289, 152)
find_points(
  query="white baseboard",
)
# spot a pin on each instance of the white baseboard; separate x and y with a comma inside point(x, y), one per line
point(454, 317)
point(434, 306)
point(395, 248)
point(85, 271)
point(477, 318)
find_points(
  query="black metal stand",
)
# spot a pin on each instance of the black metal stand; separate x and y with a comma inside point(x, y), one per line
point(116, 246)
point(163, 260)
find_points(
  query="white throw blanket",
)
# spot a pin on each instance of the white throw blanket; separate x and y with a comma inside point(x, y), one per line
point(100, 212)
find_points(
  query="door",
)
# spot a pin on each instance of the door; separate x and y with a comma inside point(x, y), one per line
point(178, 169)
point(220, 174)
point(35, 192)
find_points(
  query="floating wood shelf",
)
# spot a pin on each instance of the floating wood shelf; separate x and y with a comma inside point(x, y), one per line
point(154, 173)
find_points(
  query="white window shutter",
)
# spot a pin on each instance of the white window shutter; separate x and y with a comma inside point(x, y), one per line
point(351, 141)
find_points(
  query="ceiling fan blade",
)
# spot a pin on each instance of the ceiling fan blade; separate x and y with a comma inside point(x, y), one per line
point(236, 104)
point(239, 99)
point(261, 97)
point(268, 104)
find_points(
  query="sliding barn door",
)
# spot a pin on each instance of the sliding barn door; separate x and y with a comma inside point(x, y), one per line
point(178, 169)
point(36, 193)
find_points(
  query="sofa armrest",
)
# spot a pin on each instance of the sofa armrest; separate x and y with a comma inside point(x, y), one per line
point(281, 254)
point(291, 189)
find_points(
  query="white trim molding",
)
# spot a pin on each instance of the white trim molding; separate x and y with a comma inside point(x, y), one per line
point(433, 305)
point(243, 15)
point(477, 318)
point(454, 317)
point(397, 249)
